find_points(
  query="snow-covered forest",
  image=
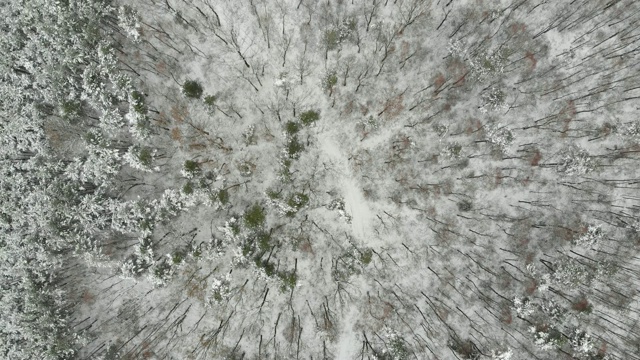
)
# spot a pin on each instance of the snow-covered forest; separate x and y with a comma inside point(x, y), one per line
point(320, 179)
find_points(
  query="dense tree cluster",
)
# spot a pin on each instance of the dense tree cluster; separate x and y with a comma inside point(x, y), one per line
point(63, 145)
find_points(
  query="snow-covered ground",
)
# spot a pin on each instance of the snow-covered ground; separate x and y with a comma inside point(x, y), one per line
point(357, 206)
point(485, 153)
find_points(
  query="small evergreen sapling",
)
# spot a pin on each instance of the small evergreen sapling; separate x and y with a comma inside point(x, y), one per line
point(331, 39)
point(223, 196)
point(292, 128)
point(220, 290)
point(329, 82)
point(465, 205)
point(254, 217)
point(140, 158)
point(309, 117)
point(366, 256)
point(138, 102)
point(298, 200)
point(289, 280)
point(395, 346)
point(191, 168)
point(547, 337)
point(188, 188)
point(192, 89)
point(210, 100)
point(294, 147)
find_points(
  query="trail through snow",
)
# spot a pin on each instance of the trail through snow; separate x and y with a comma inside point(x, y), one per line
point(355, 203)
point(348, 344)
point(358, 207)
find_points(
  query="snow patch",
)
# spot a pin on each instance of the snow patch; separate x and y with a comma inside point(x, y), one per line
point(356, 204)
